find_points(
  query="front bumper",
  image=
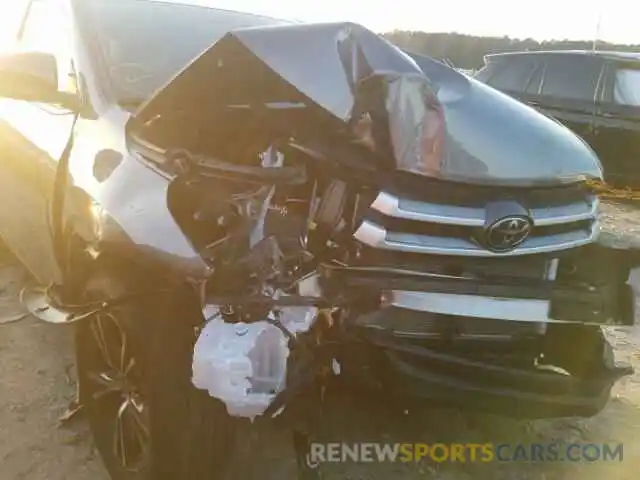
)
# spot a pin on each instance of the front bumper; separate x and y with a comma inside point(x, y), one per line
point(590, 286)
point(411, 372)
point(425, 358)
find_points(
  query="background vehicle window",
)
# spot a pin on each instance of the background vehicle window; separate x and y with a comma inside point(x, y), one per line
point(626, 90)
point(571, 77)
point(513, 73)
point(533, 87)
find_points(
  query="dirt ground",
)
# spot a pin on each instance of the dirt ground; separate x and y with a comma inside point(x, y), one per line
point(36, 386)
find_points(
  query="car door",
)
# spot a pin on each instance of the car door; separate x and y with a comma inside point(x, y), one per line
point(512, 74)
point(33, 137)
point(568, 90)
point(617, 139)
point(531, 93)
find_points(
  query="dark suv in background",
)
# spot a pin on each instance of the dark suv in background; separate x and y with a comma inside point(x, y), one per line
point(595, 94)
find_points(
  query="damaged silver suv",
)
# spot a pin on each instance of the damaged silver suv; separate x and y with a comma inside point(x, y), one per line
point(238, 214)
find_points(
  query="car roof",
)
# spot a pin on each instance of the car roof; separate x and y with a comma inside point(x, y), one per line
point(615, 55)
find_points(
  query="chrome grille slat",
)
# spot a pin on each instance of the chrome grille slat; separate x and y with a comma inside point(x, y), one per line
point(428, 212)
point(395, 207)
point(378, 237)
point(572, 212)
point(582, 213)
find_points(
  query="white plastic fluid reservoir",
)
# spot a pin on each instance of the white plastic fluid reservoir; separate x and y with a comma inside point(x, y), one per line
point(245, 365)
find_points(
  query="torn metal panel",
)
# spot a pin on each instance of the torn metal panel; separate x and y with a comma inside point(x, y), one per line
point(359, 89)
point(336, 58)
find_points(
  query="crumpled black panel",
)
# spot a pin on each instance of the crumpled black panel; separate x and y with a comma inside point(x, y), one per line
point(298, 81)
point(320, 64)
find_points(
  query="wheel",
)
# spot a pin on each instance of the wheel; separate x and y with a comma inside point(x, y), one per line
point(134, 373)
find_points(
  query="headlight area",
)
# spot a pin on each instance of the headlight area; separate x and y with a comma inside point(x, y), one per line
point(417, 126)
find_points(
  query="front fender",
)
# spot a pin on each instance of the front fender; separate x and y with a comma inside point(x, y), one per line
point(120, 207)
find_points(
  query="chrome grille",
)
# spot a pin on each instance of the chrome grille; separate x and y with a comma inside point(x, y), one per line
point(423, 226)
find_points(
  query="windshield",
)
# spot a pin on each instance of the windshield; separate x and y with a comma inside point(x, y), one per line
point(627, 87)
point(145, 43)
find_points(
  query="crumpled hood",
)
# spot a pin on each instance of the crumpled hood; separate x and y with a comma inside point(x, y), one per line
point(493, 138)
point(320, 65)
point(342, 83)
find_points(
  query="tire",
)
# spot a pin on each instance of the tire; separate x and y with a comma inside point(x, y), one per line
point(134, 374)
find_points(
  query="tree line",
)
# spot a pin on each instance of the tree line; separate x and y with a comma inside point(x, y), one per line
point(468, 51)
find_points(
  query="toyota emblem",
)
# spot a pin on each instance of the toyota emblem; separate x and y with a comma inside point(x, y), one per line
point(507, 233)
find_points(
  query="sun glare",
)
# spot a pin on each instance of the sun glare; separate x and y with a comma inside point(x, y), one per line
point(10, 15)
point(614, 21)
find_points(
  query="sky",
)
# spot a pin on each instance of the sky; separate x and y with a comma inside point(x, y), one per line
point(538, 19)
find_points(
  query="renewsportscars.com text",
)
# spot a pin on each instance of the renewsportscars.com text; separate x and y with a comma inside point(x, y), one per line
point(464, 452)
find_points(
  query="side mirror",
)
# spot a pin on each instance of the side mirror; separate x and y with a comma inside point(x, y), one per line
point(33, 76)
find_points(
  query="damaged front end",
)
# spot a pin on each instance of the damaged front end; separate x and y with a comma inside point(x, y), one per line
point(376, 215)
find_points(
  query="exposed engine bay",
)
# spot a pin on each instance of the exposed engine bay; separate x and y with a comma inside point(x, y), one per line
point(266, 249)
point(287, 275)
point(293, 193)
point(282, 247)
